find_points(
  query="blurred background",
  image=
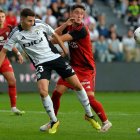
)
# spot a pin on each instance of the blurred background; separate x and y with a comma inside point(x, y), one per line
point(111, 25)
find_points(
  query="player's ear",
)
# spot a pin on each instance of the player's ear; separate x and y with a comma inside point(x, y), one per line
point(22, 19)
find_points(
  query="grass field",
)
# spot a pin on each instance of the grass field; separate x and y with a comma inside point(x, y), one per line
point(123, 110)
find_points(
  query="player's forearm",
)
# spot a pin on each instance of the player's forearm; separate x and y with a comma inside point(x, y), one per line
point(60, 29)
point(53, 41)
point(61, 43)
point(15, 50)
point(2, 55)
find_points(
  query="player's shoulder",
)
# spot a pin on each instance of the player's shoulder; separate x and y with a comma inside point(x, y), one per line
point(14, 31)
point(81, 27)
point(80, 30)
point(39, 22)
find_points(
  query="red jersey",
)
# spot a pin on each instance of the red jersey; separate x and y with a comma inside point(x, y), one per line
point(80, 47)
point(11, 20)
point(4, 32)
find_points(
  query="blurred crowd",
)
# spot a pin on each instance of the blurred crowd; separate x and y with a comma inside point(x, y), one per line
point(108, 45)
point(129, 10)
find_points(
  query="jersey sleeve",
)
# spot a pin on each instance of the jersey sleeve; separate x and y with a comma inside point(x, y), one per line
point(11, 41)
point(48, 29)
point(78, 34)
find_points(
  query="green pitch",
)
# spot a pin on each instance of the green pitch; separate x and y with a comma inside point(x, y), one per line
point(123, 110)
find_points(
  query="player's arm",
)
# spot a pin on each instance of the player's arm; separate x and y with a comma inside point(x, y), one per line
point(61, 43)
point(73, 35)
point(48, 29)
point(2, 55)
point(8, 46)
point(20, 58)
point(60, 29)
point(56, 37)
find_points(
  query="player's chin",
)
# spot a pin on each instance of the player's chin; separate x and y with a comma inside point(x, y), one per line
point(78, 22)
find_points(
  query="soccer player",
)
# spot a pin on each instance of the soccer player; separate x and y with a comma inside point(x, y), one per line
point(81, 60)
point(6, 68)
point(33, 36)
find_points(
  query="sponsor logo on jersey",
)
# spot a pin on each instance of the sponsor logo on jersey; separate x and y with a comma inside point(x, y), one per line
point(37, 32)
point(23, 38)
point(34, 42)
point(85, 83)
point(73, 45)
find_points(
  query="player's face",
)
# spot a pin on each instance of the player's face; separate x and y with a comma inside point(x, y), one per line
point(2, 18)
point(27, 22)
point(78, 15)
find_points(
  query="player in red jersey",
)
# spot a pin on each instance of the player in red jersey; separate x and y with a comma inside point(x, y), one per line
point(81, 60)
point(6, 69)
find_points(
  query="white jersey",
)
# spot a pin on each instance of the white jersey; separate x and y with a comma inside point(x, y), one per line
point(34, 42)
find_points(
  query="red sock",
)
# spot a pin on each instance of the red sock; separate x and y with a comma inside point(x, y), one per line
point(12, 95)
point(56, 100)
point(98, 108)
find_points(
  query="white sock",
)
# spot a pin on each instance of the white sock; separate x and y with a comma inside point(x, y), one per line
point(48, 105)
point(84, 101)
point(105, 122)
point(13, 109)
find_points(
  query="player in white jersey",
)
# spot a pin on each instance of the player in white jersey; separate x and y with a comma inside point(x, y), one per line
point(33, 37)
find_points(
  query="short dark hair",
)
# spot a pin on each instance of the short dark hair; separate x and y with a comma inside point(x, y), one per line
point(27, 12)
point(1, 11)
point(78, 6)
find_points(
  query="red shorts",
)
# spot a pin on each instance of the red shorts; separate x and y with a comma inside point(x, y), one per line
point(86, 77)
point(6, 66)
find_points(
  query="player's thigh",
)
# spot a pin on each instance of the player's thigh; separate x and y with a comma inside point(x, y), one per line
point(62, 68)
point(62, 85)
point(74, 81)
point(87, 79)
point(43, 85)
point(6, 66)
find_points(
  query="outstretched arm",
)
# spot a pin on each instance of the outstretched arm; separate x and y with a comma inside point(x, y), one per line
point(61, 43)
point(20, 58)
point(2, 55)
point(65, 37)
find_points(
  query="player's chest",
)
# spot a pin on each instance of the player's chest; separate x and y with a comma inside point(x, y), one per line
point(36, 33)
point(4, 33)
point(30, 36)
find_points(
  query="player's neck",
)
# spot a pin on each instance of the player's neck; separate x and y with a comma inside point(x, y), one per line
point(1, 25)
point(76, 24)
point(24, 27)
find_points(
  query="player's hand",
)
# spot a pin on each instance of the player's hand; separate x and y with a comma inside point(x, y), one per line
point(20, 59)
point(70, 21)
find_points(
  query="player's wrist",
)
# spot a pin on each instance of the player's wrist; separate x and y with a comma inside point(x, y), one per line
point(65, 24)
